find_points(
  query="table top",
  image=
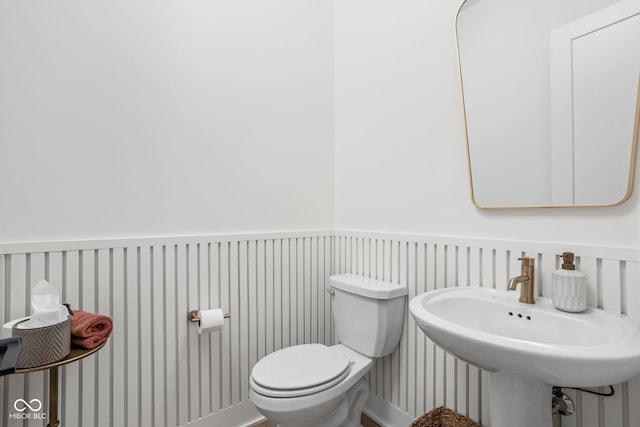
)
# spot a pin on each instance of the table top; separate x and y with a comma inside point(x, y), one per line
point(76, 354)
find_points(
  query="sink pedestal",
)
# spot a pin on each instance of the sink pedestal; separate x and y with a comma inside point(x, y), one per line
point(518, 401)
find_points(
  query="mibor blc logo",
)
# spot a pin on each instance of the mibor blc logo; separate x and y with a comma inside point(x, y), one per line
point(28, 410)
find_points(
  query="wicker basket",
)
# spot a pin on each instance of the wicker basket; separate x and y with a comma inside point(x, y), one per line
point(444, 417)
point(41, 346)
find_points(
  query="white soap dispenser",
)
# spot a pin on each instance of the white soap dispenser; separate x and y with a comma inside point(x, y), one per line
point(569, 286)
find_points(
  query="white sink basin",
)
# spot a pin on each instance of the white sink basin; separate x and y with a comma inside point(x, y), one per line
point(527, 348)
point(492, 330)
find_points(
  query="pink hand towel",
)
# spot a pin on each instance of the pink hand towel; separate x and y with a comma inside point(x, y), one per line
point(89, 330)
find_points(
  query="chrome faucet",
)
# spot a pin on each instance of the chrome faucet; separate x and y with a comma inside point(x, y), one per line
point(526, 280)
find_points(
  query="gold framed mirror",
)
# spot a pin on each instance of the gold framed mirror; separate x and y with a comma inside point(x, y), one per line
point(551, 99)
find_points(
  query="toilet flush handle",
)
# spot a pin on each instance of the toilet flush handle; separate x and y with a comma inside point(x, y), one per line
point(331, 292)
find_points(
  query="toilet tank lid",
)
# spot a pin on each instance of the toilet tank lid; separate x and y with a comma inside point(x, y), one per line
point(367, 286)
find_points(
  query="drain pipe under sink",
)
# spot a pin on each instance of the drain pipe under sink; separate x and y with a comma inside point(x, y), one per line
point(561, 404)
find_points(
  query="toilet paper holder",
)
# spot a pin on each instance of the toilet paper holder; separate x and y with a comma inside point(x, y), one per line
point(193, 316)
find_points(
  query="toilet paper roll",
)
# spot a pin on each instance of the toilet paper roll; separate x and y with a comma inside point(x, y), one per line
point(210, 320)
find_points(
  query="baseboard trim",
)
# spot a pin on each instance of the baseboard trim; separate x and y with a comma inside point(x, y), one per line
point(384, 413)
point(244, 414)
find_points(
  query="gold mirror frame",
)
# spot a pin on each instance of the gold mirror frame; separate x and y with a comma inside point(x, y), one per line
point(634, 146)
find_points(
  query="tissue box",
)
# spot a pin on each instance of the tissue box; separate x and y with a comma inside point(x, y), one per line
point(41, 346)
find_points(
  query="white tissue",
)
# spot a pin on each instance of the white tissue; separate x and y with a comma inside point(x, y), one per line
point(46, 309)
point(8, 327)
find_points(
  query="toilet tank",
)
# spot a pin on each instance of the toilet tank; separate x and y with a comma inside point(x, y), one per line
point(368, 313)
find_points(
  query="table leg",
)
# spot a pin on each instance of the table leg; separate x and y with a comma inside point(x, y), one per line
point(53, 398)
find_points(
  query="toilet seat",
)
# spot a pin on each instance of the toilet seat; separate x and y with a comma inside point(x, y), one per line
point(299, 371)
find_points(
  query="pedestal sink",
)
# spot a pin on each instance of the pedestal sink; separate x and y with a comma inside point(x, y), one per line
point(528, 348)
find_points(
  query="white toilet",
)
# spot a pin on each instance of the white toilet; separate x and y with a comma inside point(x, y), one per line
point(315, 385)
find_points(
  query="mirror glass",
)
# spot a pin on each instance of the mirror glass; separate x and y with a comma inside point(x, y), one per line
point(550, 92)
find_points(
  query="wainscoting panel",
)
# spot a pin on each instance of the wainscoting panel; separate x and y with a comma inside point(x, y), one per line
point(420, 376)
point(156, 370)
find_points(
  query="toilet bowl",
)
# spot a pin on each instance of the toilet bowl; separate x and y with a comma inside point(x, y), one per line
point(316, 385)
point(308, 400)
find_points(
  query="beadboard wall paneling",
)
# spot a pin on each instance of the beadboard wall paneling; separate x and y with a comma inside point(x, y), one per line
point(420, 376)
point(156, 370)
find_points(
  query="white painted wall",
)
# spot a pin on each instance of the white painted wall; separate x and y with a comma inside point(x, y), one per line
point(400, 148)
point(138, 119)
point(143, 118)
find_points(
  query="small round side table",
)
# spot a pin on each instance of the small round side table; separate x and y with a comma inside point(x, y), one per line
point(76, 354)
